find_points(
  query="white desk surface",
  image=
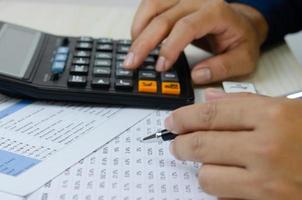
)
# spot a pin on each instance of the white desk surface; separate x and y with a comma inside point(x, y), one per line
point(278, 72)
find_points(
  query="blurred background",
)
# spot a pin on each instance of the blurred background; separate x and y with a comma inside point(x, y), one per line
point(87, 2)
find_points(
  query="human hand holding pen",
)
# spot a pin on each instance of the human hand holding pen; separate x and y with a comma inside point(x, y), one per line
point(233, 32)
point(250, 145)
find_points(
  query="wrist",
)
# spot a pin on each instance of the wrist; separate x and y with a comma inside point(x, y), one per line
point(256, 19)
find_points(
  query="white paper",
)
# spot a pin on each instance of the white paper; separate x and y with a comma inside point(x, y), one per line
point(294, 41)
point(38, 141)
point(126, 169)
point(5, 196)
point(237, 87)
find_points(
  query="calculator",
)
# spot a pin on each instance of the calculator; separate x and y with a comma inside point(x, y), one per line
point(43, 66)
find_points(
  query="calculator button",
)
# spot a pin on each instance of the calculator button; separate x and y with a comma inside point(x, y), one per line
point(121, 57)
point(170, 88)
point(147, 86)
point(80, 61)
point(148, 67)
point(150, 59)
point(123, 84)
point(86, 39)
point(105, 41)
point(65, 42)
point(63, 50)
point(155, 52)
point(102, 63)
point(124, 73)
point(100, 83)
point(102, 55)
point(119, 65)
point(84, 46)
point(55, 77)
point(123, 49)
point(61, 58)
point(82, 54)
point(169, 77)
point(104, 47)
point(147, 75)
point(58, 67)
point(77, 81)
point(79, 70)
point(101, 71)
point(124, 42)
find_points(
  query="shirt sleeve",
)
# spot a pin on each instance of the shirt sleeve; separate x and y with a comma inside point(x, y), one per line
point(283, 16)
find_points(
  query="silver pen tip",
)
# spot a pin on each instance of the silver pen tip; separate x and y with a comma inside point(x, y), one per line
point(150, 139)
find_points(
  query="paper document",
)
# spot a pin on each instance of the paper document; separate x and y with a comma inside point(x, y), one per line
point(38, 141)
point(126, 169)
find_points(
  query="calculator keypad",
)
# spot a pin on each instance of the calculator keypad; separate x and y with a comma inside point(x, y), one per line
point(98, 64)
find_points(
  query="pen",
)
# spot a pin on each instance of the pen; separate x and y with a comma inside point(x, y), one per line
point(163, 135)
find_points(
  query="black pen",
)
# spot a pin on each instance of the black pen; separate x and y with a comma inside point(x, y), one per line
point(163, 135)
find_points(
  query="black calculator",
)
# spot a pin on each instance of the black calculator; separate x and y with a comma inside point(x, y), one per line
point(42, 66)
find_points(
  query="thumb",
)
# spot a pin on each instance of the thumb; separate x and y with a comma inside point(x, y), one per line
point(235, 62)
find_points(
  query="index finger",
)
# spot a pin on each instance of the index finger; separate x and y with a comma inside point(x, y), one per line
point(231, 114)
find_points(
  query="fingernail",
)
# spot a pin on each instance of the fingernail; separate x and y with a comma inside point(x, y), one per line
point(129, 59)
point(169, 123)
point(171, 149)
point(160, 64)
point(203, 75)
point(214, 93)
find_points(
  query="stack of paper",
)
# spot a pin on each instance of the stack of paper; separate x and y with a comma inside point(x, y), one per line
point(38, 141)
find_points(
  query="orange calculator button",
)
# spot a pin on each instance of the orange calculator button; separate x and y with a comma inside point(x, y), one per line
point(171, 88)
point(147, 86)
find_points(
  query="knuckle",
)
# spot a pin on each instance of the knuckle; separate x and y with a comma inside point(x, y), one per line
point(176, 153)
point(141, 44)
point(165, 51)
point(204, 180)
point(277, 111)
point(178, 121)
point(273, 189)
point(218, 6)
point(208, 114)
point(225, 70)
point(163, 21)
point(188, 24)
point(269, 151)
point(149, 2)
point(198, 146)
point(249, 58)
point(257, 181)
point(134, 32)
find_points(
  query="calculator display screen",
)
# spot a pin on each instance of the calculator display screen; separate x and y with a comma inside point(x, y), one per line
point(17, 47)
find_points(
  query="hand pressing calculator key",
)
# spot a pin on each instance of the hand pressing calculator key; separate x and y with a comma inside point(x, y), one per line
point(48, 67)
